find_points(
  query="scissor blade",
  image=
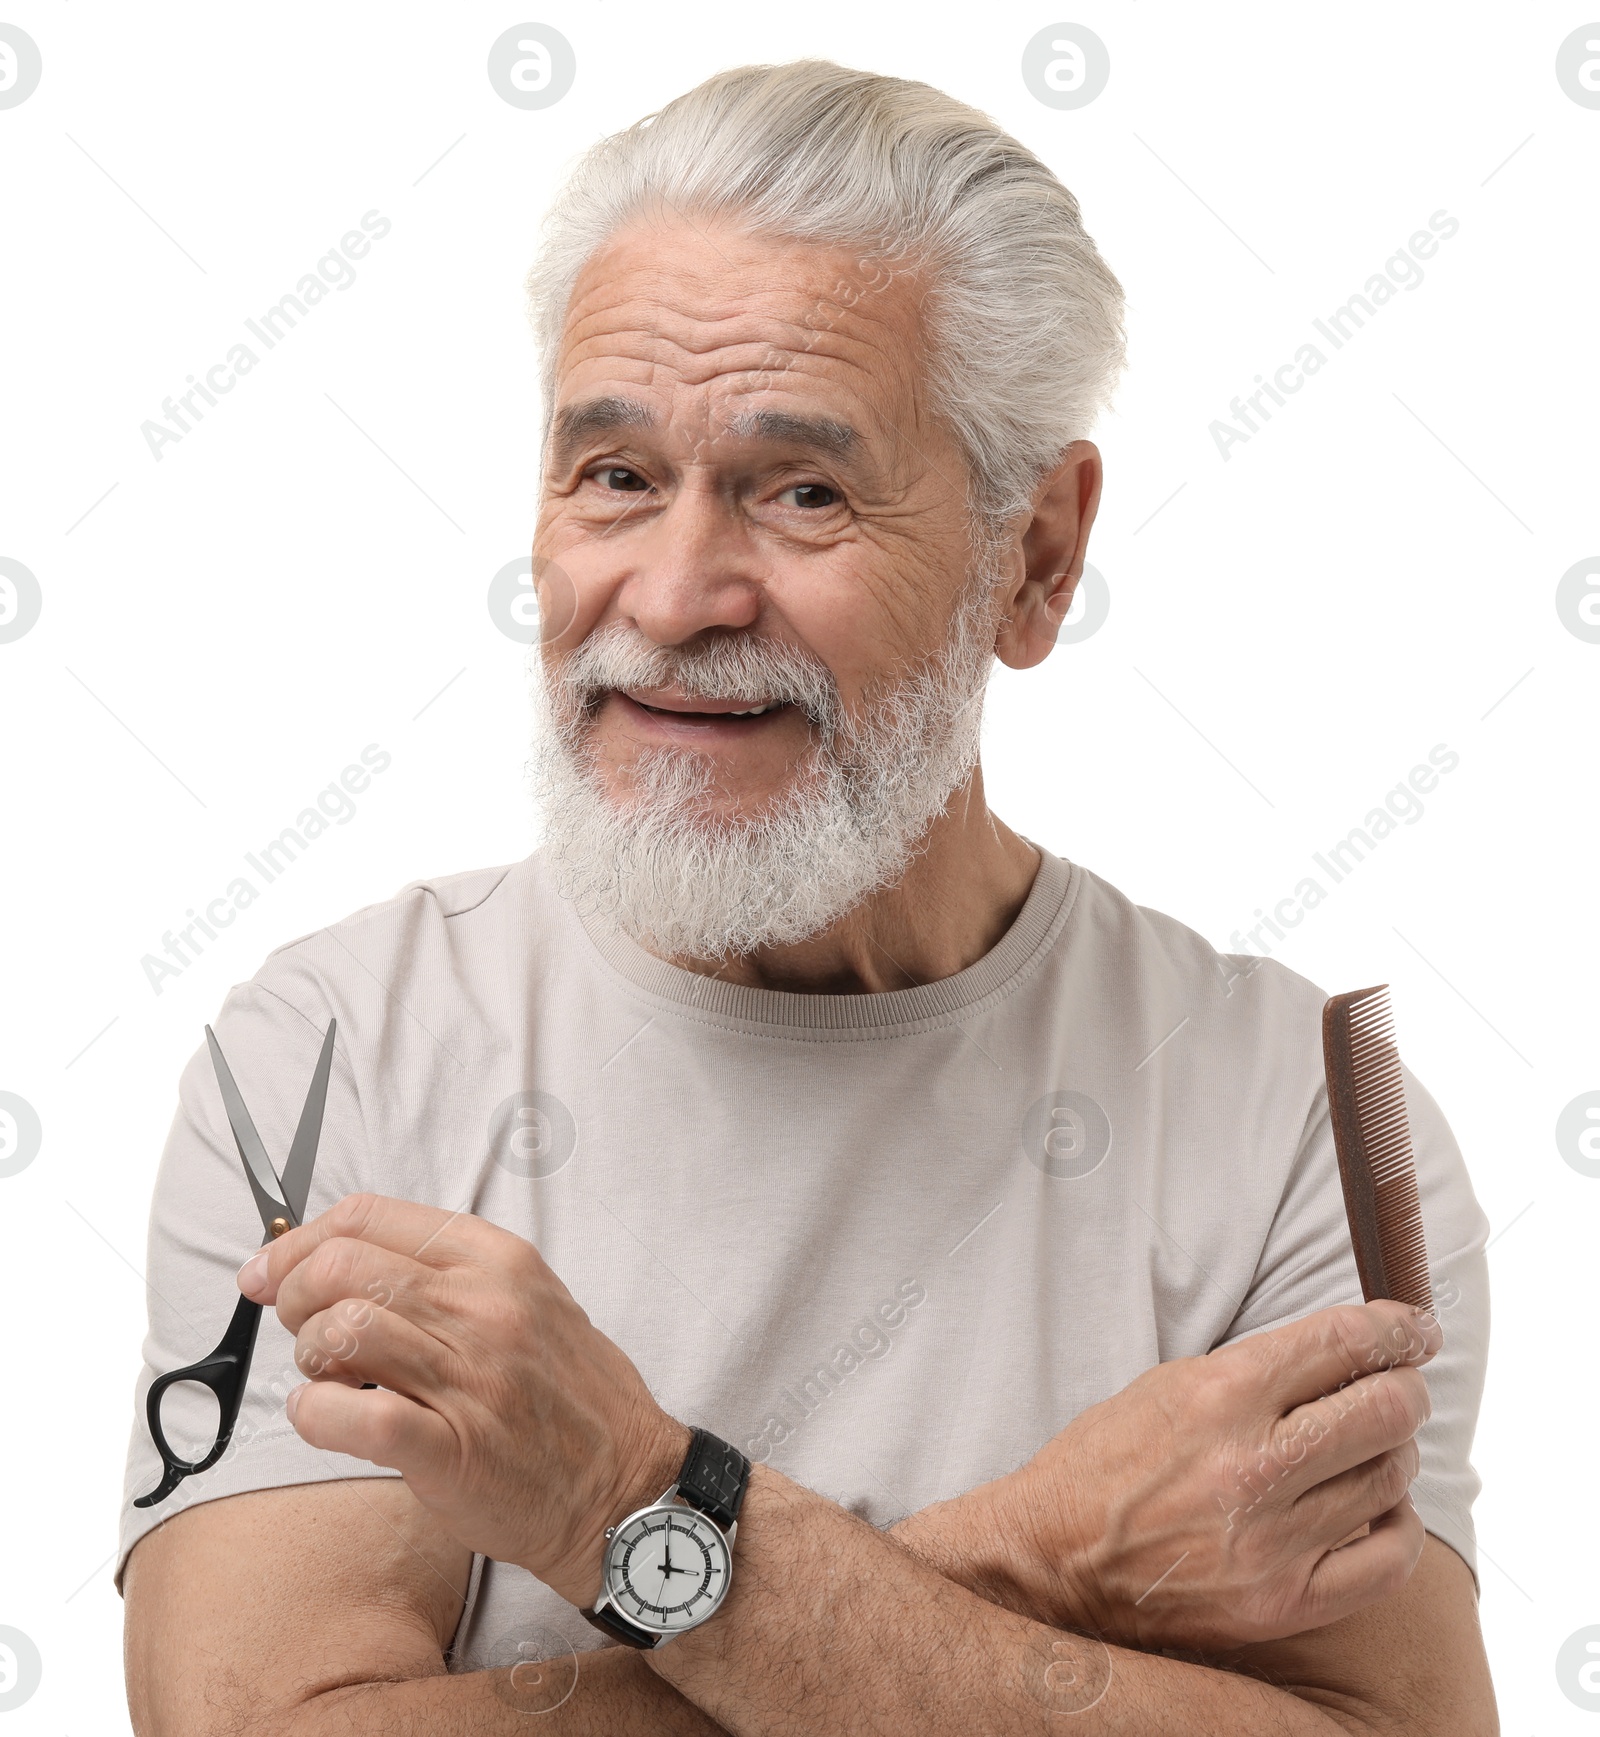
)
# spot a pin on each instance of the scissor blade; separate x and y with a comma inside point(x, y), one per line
point(303, 1153)
point(263, 1179)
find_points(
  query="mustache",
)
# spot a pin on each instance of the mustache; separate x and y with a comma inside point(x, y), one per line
point(730, 666)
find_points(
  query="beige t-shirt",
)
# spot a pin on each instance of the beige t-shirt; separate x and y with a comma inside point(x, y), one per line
point(889, 1244)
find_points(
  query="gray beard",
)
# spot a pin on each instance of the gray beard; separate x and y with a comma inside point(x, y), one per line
point(686, 883)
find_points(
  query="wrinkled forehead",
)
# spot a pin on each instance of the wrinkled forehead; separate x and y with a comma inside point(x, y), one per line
point(701, 333)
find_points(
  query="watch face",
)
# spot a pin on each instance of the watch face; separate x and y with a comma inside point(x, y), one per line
point(667, 1568)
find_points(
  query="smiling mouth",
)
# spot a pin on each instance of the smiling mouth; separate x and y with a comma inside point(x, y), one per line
point(697, 710)
point(682, 712)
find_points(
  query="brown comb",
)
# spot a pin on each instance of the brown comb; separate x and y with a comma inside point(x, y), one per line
point(1372, 1136)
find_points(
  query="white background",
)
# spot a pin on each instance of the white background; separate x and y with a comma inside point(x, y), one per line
point(1290, 631)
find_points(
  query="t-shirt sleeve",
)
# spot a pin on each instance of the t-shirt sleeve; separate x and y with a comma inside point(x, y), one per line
point(1308, 1263)
point(204, 1224)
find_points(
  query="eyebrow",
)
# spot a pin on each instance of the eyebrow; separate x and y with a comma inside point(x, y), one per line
point(837, 439)
point(574, 423)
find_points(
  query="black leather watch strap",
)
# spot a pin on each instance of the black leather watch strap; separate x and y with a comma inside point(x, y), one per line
point(714, 1478)
point(614, 1623)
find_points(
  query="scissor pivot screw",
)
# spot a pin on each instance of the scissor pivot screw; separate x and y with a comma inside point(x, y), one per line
point(279, 1226)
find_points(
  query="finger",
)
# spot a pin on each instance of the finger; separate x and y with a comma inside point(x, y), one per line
point(353, 1343)
point(1323, 1351)
point(1319, 1440)
point(344, 1267)
point(1372, 1569)
point(423, 1233)
point(382, 1426)
point(1329, 1513)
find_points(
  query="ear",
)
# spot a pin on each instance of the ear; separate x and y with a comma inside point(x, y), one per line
point(1053, 548)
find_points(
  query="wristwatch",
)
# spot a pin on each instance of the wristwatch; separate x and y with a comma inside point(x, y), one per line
point(667, 1567)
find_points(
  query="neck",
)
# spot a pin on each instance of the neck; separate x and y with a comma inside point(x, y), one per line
point(957, 897)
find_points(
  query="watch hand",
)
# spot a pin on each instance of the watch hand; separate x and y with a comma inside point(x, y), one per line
point(667, 1567)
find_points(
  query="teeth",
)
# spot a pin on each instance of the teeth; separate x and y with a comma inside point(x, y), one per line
point(748, 712)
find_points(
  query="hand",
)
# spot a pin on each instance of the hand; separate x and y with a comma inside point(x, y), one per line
point(506, 1411)
point(1253, 1493)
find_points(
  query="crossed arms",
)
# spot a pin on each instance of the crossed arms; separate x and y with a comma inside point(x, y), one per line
point(1191, 1521)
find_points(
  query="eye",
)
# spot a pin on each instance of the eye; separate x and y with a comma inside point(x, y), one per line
point(618, 479)
point(810, 496)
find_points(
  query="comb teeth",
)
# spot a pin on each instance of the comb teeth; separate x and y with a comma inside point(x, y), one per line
point(1366, 1099)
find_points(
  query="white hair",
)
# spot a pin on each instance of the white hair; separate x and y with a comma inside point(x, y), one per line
point(1024, 317)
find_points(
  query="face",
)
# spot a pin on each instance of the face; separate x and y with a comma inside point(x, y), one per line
point(742, 457)
point(766, 633)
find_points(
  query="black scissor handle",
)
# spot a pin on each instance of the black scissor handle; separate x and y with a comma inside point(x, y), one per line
point(225, 1372)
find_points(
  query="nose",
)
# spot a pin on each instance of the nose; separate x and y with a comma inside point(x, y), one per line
point(695, 570)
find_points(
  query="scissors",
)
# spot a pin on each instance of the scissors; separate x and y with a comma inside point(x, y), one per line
point(282, 1205)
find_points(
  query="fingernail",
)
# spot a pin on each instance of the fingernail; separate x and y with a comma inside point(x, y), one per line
point(1431, 1326)
point(253, 1274)
point(292, 1401)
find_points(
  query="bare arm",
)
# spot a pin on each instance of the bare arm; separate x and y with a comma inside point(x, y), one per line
point(356, 1592)
point(327, 1608)
point(831, 1628)
point(1414, 1663)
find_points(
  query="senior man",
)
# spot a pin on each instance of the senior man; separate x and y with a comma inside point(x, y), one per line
point(943, 1253)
